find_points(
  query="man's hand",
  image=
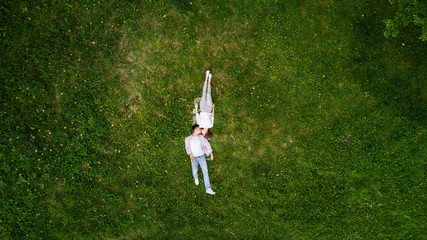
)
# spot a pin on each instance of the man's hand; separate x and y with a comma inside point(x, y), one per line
point(191, 157)
point(196, 105)
point(212, 156)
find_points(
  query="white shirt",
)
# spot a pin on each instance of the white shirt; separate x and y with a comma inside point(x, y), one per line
point(205, 120)
point(196, 147)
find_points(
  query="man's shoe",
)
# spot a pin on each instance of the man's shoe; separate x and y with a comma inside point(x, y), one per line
point(209, 191)
point(207, 75)
point(210, 76)
point(196, 181)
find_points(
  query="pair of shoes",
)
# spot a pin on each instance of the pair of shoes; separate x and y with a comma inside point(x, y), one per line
point(208, 75)
point(196, 181)
point(209, 191)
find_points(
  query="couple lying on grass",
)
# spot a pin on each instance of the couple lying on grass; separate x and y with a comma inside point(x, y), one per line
point(197, 144)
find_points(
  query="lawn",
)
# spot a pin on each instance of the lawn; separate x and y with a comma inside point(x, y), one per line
point(319, 129)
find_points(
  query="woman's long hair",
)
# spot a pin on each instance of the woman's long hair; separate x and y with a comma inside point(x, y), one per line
point(209, 133)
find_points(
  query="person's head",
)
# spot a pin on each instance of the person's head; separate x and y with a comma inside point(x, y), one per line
point(196, 129)
point(207, 132)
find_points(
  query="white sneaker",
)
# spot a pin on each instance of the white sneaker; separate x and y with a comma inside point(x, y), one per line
point(196, 181)
point(209, 191)
point(210, 76)
point(207, 74)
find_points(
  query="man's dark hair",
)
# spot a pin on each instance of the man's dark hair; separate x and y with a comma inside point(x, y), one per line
point(195, 126)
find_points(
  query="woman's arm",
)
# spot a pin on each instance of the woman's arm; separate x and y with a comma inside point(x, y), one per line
point(196, 106)
point(213, 110)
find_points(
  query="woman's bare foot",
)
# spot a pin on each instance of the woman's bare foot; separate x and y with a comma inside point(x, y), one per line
point(207, 75)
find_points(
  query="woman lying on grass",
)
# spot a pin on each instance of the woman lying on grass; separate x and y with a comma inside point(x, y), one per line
point(205, 118)
point(207, 108)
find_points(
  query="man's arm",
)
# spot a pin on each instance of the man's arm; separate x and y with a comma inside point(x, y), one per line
point(187, 145)
point(206, 146)
point(188, 149)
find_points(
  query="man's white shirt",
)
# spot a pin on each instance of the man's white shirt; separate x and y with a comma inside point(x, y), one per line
point(197, 145)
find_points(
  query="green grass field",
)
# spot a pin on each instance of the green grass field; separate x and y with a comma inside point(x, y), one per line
point(319, 129)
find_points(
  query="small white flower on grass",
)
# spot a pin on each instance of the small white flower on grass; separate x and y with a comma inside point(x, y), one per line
point(403, 44)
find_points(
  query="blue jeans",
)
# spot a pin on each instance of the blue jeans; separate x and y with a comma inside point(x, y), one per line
point(194, 165)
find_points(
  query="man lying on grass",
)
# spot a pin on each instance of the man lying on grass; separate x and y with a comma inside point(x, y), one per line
point(197, 146)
